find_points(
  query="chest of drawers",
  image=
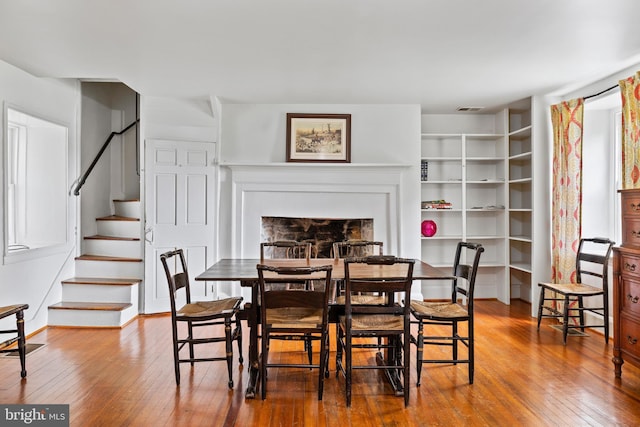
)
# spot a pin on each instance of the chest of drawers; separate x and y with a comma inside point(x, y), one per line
point(626, 285)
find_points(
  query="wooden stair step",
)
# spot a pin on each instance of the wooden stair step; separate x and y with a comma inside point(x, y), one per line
point(101, 237)
point(101, 281)
point(117, 218)
point(104, 306)
point(88, 257)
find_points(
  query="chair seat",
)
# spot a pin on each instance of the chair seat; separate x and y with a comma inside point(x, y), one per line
point(362, 300)
point(8, 310)
point(573, 288)
point(447, 310)
point(202, 309)
point(294, 317)
point(380, 322)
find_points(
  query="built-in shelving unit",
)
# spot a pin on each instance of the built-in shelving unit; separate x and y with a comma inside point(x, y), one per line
point(466, 166)
point(520, 199)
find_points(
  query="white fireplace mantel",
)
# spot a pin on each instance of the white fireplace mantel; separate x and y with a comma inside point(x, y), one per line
point(315, 190)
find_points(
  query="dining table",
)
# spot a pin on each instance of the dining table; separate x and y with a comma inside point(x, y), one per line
point(244, 270)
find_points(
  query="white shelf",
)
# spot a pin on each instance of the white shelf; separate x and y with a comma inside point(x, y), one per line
point(521, 267)
point(479, 154)
point(521, 238)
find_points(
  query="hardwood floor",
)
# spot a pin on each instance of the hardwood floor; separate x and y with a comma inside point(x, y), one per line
point(523, 378)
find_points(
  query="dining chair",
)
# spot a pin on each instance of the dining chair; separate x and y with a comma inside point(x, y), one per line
point(17, 334)
point(294, 314)
point(285, 249)
point(290, 249)
point(356, 248)
point(389, 323)
point(592, 260)
point(199, 315)
point(451, 313)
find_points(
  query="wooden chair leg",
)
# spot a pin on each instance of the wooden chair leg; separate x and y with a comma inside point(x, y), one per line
point(565, 325)
point(238, 334)
point(176, 353)
point(21, 343)
point(229, 349)
point(348, 367)
point(581, 313)
point(471, 351)
point(540, 306)
point(263, 363)
point(454, 334)
point(605, 305)
point(419, 351)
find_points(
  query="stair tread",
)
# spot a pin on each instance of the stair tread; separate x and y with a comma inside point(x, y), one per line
point(101, 281)
point(105, 306)
point(103, 237)
point(90, 257)
point(117, 218)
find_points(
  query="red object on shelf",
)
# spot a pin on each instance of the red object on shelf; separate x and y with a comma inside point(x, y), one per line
point(429, 228)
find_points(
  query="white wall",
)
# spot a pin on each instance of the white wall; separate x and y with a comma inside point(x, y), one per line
point(256, 133)
point(96, 119)
point(37, 281)
point(380, 135)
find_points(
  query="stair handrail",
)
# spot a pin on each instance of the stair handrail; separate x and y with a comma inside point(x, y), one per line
point(82, 180)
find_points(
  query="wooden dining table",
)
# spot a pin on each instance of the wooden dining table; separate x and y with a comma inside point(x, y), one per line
point(245, 271)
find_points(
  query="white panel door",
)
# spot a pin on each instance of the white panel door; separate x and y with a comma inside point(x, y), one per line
point(179, 207)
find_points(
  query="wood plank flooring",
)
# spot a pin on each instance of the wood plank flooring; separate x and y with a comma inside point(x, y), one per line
point(523, 378)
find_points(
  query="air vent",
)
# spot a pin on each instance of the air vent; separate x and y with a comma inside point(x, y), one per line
point(469, 109)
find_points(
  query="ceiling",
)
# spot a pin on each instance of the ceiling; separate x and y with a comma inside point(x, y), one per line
point(441, 54)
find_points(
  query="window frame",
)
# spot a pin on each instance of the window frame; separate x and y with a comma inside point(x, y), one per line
point(44, 250)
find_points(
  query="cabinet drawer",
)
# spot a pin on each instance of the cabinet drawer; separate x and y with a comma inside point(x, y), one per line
point(631, 232)
point(630, 336)
point(630, 265)
point(631, 204)
point(630, 297)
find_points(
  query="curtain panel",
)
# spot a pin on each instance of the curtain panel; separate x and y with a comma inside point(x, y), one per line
point(630, 92)
point(567, 120)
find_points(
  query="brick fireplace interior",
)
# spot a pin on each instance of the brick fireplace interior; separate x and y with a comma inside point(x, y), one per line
point(321, 232)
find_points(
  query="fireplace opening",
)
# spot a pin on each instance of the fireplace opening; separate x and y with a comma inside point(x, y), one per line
point(321, 232)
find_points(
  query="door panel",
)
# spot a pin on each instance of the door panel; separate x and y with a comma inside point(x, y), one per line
point(180, 199)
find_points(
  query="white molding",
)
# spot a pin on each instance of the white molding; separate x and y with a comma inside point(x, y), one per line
point(315, 191)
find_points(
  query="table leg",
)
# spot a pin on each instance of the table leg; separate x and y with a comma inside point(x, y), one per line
point(252, 322)
point(392, 358)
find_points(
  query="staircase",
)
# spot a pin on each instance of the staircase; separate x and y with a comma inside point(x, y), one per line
point(105, 291)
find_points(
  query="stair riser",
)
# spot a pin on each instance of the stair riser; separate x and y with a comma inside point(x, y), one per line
point(115, 269)
point(91, 318)
point(120, 248)
point(99, 293)
point(119, 228)
point(127, 209)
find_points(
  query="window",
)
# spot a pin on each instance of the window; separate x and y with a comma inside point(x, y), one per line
point(36, 166)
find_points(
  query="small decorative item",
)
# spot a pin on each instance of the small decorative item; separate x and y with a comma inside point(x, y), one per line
point(429, 228)
point(424, 171)
point(319, 138)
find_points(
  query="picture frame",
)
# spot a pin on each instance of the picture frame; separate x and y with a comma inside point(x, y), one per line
point(319, 138)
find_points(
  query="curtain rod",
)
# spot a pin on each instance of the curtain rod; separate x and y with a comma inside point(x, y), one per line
point(600, 93)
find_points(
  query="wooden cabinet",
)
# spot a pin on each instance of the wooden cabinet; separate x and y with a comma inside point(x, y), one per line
point(626, 285)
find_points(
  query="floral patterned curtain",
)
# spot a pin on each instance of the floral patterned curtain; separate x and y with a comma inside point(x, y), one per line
point(566, 221)
point(630, 91)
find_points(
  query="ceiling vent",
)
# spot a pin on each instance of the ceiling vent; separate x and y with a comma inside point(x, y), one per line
point(468, 109)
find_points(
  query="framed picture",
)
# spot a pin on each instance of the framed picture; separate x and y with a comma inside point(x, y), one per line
point(318, 137)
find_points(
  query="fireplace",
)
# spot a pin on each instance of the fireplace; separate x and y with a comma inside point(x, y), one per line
point(321, 232)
